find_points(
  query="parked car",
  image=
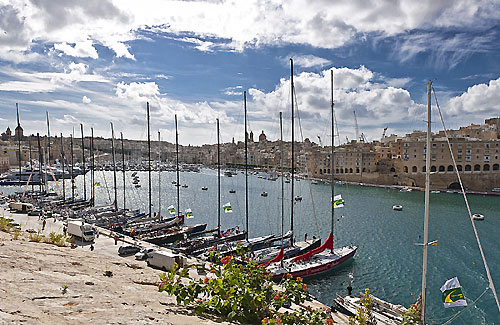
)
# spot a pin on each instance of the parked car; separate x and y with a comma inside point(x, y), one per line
point(128, 250)
point(35, 212)
point(144, 254)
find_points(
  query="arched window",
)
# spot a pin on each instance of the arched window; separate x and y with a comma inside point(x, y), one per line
point(433, 169)
point(393, 170)
point(341, 171)
point(321, 171)
point(346, 170)
point(328, 170)
point(414, 169)
point(468, 168)
point(495, 167)
point(459, 168)
point(364, 169)
point(336, 171)
point(486, 167)
point(477, 168)
point(357, 170)
point(405, 169)
point(423, 169)
point(441, 168)
point(350, 170)
point(450, 168)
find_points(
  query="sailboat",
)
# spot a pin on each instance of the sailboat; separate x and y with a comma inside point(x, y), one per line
point(325, 257)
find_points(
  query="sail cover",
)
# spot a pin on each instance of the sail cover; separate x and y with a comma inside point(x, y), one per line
point(275, 259)
point(328, 244)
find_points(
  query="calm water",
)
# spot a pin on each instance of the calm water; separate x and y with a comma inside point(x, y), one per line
point(388, 261)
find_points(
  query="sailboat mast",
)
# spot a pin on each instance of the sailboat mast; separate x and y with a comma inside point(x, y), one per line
point(63, 173)
point(426, 212)
point(48, 139)
point(177, 165)
point(71, 171)
point(31, 164)
point(282, 181)
point(246, 165)
point(218, 181)
point(331, 160)
point(293, 163)
point(113, 153)
point(19, 141)
point(93, 164)
point(159, 175)
point(39, 160)
point(123, 169)
point(149, 159)
point(83, 161)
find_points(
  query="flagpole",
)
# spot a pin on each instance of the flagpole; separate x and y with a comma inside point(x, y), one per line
point(426, 211)
point(218, 180)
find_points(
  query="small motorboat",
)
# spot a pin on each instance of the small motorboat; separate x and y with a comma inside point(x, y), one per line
point(137, 185)
point(185, 186)
point(204, 188)
point(264, 194)
point(298, 198)
point(397, 207)
point(477, 216)
point(314, 182)
point(405, 190)
point(435, 192)
point(134, 173)
point(232, 191)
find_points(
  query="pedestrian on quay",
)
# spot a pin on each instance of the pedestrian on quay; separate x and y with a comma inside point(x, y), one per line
point(116, 239)
point(43, 224)
point(91, 247)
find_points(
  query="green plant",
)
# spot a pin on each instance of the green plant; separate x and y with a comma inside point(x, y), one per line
point(5, 224)
point(364, 314)
point(64, 289)
point(55, 239)
point(16, 233)
point(36, 237)
point(412, 316)
point(242, 293)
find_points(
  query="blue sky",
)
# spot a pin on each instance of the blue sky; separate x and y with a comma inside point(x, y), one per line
point(96, 62)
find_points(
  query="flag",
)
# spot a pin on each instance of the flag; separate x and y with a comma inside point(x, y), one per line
point(452, 294)
point(338, 202)
point(227, 208)
point(171, 209)
point(189, 213)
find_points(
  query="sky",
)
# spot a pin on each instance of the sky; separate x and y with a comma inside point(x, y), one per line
point(100, 61)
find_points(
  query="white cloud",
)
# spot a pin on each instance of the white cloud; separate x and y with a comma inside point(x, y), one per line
point(309, 61)
point(81, 49)
point(86, 100)
point(240, 24)
point(68, 119)
point(481, 99)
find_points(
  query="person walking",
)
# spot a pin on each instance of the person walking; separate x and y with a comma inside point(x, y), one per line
point(43, 224)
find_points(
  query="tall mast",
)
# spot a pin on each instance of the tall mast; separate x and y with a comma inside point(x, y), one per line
point(282, 181)
point(83, 161)
point(218, 181)
point(246, 165)
point(177, 164)
point(93, 165)
point(293, 165)
point(123, 169)
point(63, 172)
point(331, 160)
point(113, 153)
point(71, 171)
point(159, 175)
point(48, 139)
point(19, 141)
point(426, 212)
point(149, 160)
point(31, 164)
point(39, 160)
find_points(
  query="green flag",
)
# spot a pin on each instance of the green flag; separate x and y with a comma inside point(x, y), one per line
point(338, 202)
point(452, 294)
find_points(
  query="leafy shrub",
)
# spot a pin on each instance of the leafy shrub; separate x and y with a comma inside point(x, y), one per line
point(36, 237)
point(5, 224)
point(242, 293)
point(16, 233)
point(55, 239)
point(364, 314)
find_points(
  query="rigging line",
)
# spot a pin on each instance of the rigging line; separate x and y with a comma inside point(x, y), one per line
point(106, 184)
point(307, 171)
point(491, 285)
point(467, 308)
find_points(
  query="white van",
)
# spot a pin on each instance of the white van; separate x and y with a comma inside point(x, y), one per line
point(21, 207)
point(165, 260)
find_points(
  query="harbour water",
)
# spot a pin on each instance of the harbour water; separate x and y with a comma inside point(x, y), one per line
point(389, 259)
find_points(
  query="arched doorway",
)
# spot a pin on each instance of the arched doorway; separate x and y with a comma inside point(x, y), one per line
point(454, 186)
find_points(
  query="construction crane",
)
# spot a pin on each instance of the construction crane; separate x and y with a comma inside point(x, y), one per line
point(320, 142)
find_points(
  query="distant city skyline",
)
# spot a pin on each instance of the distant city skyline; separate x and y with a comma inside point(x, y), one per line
point(100, 62)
